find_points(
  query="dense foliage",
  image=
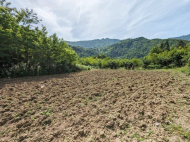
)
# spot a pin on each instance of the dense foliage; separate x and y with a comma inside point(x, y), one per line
point(102, 61)
point(127, 49)
point(94, 43)
point(27, 50)
point(85, 52)
point(164, 56)
point(160, 56)
point(135, 48)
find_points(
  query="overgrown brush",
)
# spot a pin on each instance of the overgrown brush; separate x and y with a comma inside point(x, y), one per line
point(83, 67)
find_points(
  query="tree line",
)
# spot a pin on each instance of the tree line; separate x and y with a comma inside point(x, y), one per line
point(162, 56)
point(25, 49)
point(165, 56)
point(127, 49)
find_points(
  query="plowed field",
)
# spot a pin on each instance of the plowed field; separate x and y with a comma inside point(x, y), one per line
point(97, 105)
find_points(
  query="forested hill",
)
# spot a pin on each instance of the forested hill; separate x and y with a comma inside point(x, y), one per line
point(129, 48)
point(85, 52)
point(185, 37)
point(135, 48)
point(94, 43)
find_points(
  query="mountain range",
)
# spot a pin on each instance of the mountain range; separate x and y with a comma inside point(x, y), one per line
point(129, 48)
point(115, 48)
point(94, 43)
point(185, 37)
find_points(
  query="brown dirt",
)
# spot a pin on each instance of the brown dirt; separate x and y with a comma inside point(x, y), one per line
point(98, 105)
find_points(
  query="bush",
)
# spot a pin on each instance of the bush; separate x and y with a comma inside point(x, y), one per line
point(127, 64)
point(152, 66)
point(165, 67)
point(83, 67)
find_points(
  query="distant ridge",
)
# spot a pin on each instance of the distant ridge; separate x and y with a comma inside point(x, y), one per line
point(93, 43)
point(184, 37)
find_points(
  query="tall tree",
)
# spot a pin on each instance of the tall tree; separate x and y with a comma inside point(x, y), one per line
point(181, 44)
point(26, 50)
point(166, 46)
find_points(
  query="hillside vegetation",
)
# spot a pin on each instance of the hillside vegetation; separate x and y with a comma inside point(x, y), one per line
point(94, 43)
point(85, 52)
point(135, 48)
point(160, 56)
point(127, 49)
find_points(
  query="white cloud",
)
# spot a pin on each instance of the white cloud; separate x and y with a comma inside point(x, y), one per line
point(84, 19)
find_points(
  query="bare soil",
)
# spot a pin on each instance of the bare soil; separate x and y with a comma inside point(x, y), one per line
point(97, 105)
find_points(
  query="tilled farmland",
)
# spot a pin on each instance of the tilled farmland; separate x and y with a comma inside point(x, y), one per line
point(96, 106)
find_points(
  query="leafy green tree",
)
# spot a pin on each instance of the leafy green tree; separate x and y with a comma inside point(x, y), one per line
point(162, 45)
point(175, 57)
point(156, 50)
point(181, 44)
point(166, 46)
point(146, 62)
point(101, 56)
point(127, 64)
point(26, 50)
point(136, 62)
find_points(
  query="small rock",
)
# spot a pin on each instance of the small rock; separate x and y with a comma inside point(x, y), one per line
point(110, 124)
point(114, 134)
point(143, 126)
point(102, 134)
point(157, 124)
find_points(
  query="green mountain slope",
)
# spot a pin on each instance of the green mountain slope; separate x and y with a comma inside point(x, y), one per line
point(94, 43)
point(85, 52)
point(129, 48)
point(135, 48)
point(185, 37)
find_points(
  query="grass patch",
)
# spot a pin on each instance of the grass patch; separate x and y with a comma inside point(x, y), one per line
point(177, 129)
point(135, 135)
point(185, 70)
point(48, 113)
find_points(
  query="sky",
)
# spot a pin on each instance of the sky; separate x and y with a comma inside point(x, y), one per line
point(75, 20)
